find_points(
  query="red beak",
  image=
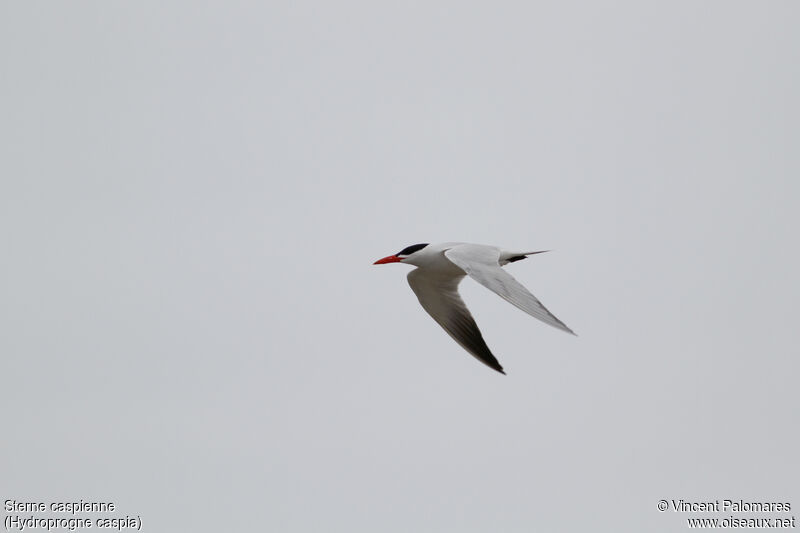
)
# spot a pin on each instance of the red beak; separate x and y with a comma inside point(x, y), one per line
point(387, 259)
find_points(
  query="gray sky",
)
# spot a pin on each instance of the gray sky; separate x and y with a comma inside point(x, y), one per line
point(193, 194)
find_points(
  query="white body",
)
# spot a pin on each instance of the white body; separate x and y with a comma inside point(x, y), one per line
point(441, 267)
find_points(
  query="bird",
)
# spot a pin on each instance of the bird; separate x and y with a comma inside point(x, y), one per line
point(440, 269)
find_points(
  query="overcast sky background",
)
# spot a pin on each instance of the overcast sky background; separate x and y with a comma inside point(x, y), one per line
point(193, 195)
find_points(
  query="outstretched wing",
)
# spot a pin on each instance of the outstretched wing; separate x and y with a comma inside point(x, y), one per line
point(439, 296)
point(481, 263)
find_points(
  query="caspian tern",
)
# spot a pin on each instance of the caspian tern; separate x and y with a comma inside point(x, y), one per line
point(441, 267)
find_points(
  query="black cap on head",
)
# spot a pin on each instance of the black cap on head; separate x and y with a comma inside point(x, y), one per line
point(408, 250)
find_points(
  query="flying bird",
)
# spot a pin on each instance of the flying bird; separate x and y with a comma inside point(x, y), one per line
point(441, 267)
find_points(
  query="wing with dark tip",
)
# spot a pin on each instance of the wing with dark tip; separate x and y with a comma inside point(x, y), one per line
point(481, 263)
point(439, 296)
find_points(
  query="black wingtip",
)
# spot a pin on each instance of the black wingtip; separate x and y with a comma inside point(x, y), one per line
point(525, 255)
point(497, 367)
